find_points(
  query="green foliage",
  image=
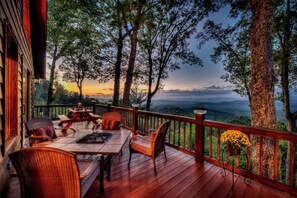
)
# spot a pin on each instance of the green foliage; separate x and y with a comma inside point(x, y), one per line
point(61, 95)
point(232, 49)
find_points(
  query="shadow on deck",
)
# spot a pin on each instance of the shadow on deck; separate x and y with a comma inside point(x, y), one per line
point(180, 176)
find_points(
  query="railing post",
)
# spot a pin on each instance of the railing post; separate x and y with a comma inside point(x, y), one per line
point(135, 118)
point(199, 144)
point(108, 106)
point(93, 103)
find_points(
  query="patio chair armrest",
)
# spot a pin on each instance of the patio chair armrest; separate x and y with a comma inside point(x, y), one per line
point(90, 168)
point(145, 133)
point(43, 137)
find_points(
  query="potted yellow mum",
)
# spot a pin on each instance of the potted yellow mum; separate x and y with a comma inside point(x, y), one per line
point(234, 140)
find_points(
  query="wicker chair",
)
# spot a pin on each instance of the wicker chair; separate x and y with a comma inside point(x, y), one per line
point(49, 172)
point(115, 116)
point(40, 122)
point(151, 145)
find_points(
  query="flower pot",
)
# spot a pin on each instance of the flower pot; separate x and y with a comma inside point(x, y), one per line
point(231, 150)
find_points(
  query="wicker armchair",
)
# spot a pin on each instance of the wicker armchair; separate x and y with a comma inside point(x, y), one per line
point(151, 145)
point(49, 172)
point(114, 116)
point(40, 122)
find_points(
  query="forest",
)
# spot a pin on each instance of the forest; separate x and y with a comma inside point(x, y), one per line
point(140, 42)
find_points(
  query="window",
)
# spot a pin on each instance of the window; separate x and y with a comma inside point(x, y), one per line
point(11, 88)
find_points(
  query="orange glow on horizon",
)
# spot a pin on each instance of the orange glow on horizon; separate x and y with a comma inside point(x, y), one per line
point(90, 88)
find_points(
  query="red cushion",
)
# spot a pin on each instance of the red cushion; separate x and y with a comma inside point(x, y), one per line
point(110, 124)
point(153, 136)
point(49, 131)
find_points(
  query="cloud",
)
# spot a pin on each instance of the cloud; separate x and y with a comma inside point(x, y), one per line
point(206, 91)
point(217, 87)
point(108, 89)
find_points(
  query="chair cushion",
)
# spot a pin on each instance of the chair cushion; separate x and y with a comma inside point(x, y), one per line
point(110, 124)
point(49, 131)
point(153, 136)
point(141, 144)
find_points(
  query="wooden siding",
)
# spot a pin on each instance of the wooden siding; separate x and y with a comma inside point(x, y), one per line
point(2, 87)
point(12, 16)
point(16, 26)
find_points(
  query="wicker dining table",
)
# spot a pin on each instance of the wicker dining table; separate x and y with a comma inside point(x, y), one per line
point(106, 149)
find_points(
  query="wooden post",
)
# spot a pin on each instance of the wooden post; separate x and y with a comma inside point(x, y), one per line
point(108, 106)
point(135, 118)
point(93, 103)
point(199, 144)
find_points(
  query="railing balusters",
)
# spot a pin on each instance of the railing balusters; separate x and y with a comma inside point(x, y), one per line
point(292, 172)
point(174, 129)
point(219, 144)
point(184, 138)
point(190, 141)
point(178, 141)
point(275, 153)
point(249, 155)
point(210, 142)
point(261, 155)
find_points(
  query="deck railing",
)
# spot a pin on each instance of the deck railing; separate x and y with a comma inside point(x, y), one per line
point(53, 111)
point(201, 138)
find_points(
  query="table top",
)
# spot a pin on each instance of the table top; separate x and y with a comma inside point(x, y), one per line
point(82, 110)
point(112, 146)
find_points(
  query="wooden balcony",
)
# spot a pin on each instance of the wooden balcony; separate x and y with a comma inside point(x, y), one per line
point(180, 176)
point(196, 158)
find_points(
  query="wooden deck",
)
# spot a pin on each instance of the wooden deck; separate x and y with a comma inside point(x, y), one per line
point(180, 176)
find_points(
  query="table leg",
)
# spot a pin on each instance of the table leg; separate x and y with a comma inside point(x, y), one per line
point(108, 166)
point(102, 174)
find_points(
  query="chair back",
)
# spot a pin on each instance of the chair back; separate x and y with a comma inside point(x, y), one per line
point(116, 116)
point(160, 138)
point(39, 122)
point(46, 172)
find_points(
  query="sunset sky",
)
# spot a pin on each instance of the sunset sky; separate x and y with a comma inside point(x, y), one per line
point(189, 79)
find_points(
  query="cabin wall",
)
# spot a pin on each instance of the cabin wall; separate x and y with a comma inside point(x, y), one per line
point(15, 89)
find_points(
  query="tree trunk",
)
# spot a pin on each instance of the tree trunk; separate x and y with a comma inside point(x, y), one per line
point(52, 77)
point(290, 121)
point(80, 92)
point(131, 63)
point(284, 70)
point(150, 81)
point(117, 70)
point(262, 82)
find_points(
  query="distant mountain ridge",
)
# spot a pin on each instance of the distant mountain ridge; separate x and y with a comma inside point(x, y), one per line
point(228, 108)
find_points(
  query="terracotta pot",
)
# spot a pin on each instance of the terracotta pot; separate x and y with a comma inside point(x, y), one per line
point(232, 151)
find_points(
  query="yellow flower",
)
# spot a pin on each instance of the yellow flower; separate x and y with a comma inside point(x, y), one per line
point(236, 138)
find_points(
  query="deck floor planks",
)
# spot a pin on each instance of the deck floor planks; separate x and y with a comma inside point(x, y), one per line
point(184, 184)
point(215, 181)
point(252, 190)
point(195, 187)
point(146, 177)
point(178, 180)
point(143, 169)
point(239, 188)
point(224, 186)
point(146, 189)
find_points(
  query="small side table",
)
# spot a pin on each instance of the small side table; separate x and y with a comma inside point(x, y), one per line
point(223, 173)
